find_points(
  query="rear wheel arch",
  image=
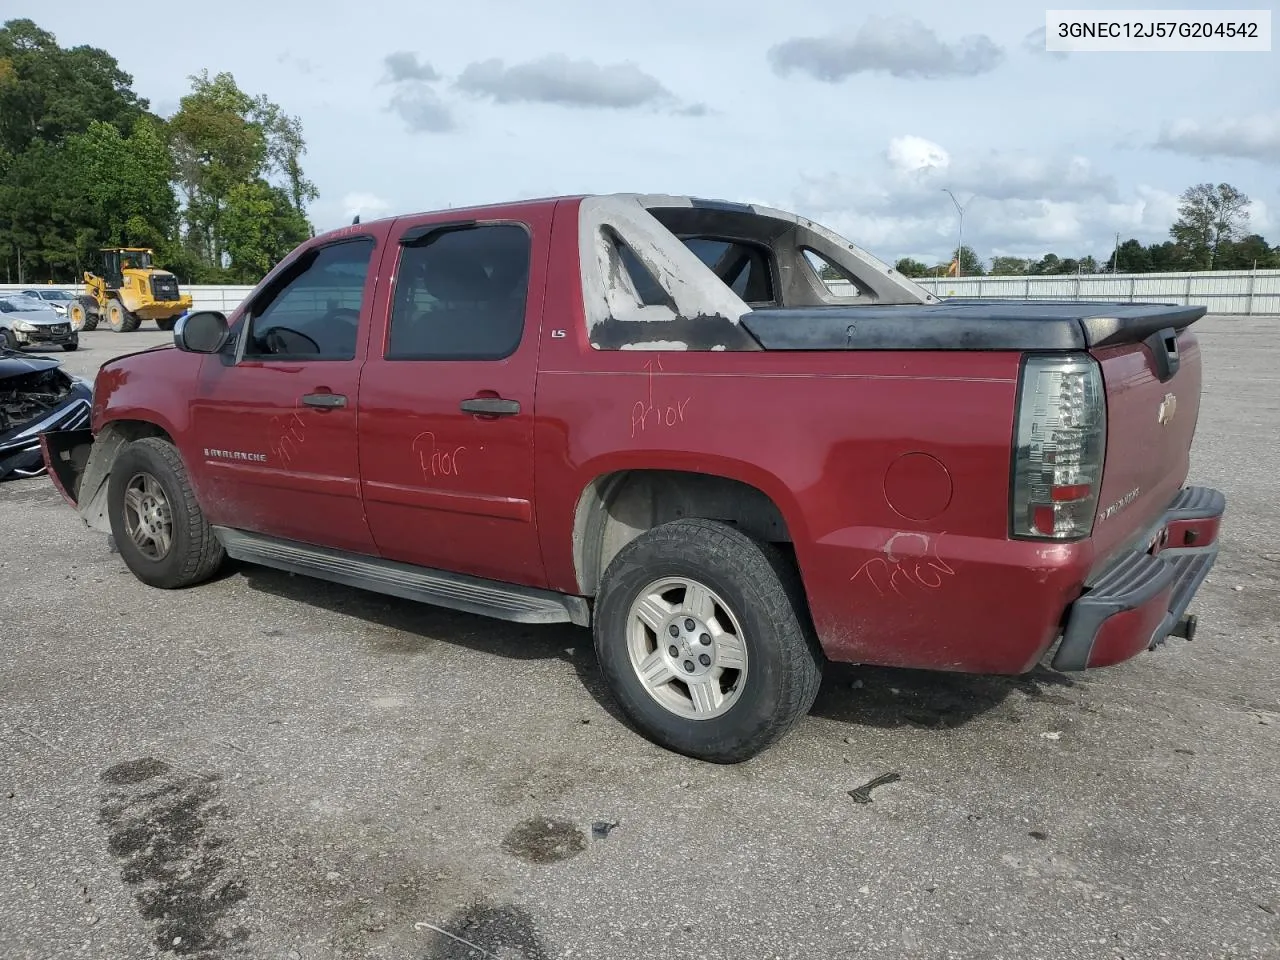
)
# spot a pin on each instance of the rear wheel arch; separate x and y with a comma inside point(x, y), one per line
point(616, 508)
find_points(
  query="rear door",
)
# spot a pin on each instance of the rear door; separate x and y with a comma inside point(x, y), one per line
point(447, 397)
point(274, 418)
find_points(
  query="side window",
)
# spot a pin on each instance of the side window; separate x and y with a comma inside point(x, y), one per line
point(838, 282)
point(460, 294)
point(314, 312)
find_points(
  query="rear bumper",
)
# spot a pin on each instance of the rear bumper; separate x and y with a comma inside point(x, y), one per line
point(1140, 599)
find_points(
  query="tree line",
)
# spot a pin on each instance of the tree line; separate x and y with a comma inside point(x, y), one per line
point(1211, 233)
point(217, 189)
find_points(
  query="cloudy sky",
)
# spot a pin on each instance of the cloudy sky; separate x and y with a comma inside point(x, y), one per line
point(849, 116)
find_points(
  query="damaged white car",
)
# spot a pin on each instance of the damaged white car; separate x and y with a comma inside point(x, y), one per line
point(25, 322)
point(36, 396)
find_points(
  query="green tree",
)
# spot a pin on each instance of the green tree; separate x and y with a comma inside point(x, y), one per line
point(48, 93)
point(1132, 257)
point(227, 145)
point(124, 184)
point(970, 262)
point(1009, 266)
point(260, 225)
point(49, 97)
point(1047, 265)
point(1244, 253)
point(1208, 218)
point(911, 268)
point(1169, 257)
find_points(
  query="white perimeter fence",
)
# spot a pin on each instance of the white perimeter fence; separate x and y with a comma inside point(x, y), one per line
point(1242, 292)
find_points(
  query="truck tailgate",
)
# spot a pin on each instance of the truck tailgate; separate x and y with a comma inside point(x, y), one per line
point(1153, 401)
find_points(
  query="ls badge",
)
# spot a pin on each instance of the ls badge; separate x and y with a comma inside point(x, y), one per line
point(1168, 406)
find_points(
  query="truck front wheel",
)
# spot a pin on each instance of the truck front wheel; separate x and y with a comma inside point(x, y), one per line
point(703, 637)
point(157, 525)
point(121, 320)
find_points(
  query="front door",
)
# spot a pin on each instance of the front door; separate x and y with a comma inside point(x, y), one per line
point(275, 417)
point(446, 398)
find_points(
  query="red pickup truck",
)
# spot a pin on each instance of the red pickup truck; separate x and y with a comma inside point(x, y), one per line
point(662, 418)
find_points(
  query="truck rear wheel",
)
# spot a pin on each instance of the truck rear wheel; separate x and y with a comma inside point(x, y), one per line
point(167, 323)
point(703, 637)
point(157, 525)
point(119, 319)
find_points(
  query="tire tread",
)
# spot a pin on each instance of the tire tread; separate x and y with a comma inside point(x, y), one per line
point(779, 585)
point(205, 553)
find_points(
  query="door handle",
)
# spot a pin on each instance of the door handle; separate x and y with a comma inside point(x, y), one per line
point(325, 401)
point(491, 406)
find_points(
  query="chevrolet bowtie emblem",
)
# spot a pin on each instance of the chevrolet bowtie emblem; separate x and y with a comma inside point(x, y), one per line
point(1168, 406)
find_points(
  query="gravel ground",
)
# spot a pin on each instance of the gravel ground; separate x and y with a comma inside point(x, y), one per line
point(268, 766)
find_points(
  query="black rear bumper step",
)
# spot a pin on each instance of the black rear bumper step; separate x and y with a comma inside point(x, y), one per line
point(1137, 578)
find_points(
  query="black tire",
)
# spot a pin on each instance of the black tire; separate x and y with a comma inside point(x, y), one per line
point(120, 319)
point(194, 554)
point(762, 590)
point(10, 340)
point(85, 307)
point(71, 346)
point(167, 323)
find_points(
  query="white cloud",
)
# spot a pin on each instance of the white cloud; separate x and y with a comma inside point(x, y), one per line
point(912, 154)
point(422, 109)
point(1034, 43)
point(559, 79)
point(900, 46)
point(1014, 203)
point(1255, 137)
point(369, 206)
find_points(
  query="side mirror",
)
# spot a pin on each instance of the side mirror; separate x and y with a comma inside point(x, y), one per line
point(204, 331)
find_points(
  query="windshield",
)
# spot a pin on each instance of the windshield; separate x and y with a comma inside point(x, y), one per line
point(22, 302)
point(131, 259)
point(55, 295)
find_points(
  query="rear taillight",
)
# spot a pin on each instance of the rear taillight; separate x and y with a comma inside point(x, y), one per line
point(1059, 447)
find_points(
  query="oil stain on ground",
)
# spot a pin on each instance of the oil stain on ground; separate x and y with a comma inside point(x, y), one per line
point(545, 841)
point(163, 827)
point(499, 931)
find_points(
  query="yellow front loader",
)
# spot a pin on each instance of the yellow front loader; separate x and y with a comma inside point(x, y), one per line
point(129, 291)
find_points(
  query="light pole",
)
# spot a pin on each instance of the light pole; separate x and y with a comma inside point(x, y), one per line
point(960, 239)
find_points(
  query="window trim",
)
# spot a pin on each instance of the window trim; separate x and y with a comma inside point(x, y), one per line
point(422, 235)
point(283, 279)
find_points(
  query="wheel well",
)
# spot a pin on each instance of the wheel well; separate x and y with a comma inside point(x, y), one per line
point(131, 430)
point(616, 508)
point(107, 444)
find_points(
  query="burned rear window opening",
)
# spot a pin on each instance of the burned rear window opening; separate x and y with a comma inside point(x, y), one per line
point(657, 270)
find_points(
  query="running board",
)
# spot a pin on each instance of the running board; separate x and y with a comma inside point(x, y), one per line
point(488, 598)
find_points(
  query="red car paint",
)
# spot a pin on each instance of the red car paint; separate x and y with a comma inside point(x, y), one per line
point(891, 469)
